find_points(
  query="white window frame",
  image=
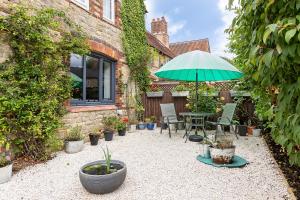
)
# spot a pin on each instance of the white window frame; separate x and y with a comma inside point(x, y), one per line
point(112, 11)
point(85, 5)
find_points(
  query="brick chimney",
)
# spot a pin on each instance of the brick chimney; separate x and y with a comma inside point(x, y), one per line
point(159, 28)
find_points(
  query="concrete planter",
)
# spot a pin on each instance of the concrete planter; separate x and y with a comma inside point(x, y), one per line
point(102, 184)
point(155, 94)
point(132, 128)
point(222, 156)
point(256, 132)
point(204, 150)
point(5, 173)
point(74, 146)
point(180, 93)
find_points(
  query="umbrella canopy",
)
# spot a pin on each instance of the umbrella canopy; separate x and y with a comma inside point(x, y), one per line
point(198, 66)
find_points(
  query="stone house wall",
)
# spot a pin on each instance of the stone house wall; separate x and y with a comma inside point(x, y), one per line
point(104, 38)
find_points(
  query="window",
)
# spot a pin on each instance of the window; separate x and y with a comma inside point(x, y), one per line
point(93, 79)
point(109, 10)
point(82, 3)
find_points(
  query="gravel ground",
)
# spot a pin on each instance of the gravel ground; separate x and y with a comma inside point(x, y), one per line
point(158, 168)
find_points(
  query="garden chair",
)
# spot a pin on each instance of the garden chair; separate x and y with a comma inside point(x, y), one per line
point(226, 119)
point(169, 116)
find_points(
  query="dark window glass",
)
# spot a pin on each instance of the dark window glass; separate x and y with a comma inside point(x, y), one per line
point(77, 76)
point(92, 79)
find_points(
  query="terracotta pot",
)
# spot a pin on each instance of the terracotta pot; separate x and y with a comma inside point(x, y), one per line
point(222, 156)
point(250, 130)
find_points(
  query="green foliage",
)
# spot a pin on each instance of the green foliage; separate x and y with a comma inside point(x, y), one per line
point(74, 134)
point(120, 125)
point(107, 156)
point(135, 42)
point(205, 103)
point(180, 88)
point(265, 36)
point(109, 123)
point(35, 82)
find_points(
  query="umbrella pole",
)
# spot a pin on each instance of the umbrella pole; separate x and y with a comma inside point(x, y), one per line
point(196, 90)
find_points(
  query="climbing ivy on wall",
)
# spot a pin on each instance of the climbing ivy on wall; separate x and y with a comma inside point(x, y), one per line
point(35, 82)
point(265, 36)
point(135, 41)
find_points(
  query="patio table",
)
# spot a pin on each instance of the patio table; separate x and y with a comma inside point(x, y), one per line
point(195, 115)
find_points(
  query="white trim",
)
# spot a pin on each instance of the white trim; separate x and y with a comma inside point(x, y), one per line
point(112, 11)
point(82, 3)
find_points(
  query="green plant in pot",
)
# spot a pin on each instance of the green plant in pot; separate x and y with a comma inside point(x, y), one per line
point(180, 91)
point(140, 116)
point(5, 164)
point(74, 141)
point(103, 176)
point(222, 151)
point(109, 124)
point(94, 136)
point(121, 127)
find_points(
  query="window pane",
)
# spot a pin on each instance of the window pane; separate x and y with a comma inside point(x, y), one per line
point(76, 76)
point(107, 80)
point(108, 9)
point(92, 79)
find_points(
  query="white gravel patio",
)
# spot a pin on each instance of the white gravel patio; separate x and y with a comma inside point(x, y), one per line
point(158, 168)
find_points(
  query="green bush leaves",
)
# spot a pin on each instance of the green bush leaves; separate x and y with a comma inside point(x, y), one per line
point(35, 82)
point(265, 37)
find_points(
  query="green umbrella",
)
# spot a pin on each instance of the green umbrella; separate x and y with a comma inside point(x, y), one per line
point(198, 66)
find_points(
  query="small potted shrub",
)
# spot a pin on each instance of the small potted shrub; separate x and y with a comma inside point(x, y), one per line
point(74, 141)
point(121, 127)
point(94, 137)
point(5, 167)
point(180, 91)
point(151, 122)
point(103, 176)
point(222, 151)
point(109, 124)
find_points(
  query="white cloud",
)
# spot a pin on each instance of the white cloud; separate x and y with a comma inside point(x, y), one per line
point(219, 47)
point(173, 26)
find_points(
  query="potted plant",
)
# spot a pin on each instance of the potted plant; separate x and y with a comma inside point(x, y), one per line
point(5, 166)
point(155, 92)
point(74, 141)
point(180, 91)
point(222, 151)
point(109, 124)
point(103, 176)
point(121, 127)
point(140, 116)
point(151, 122)
point(94, 137)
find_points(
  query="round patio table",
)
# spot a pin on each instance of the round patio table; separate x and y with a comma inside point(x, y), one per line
point(196, 116)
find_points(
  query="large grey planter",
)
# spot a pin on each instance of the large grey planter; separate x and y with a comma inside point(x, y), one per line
point(74, 146)
point(5, 173)
point(102, 184)
point(155, 94)
point(180, 93)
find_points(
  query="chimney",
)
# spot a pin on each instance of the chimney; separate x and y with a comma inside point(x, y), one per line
point(159, 28)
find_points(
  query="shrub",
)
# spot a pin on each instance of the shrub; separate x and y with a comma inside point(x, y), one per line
point(35, 82)
point(74, 134)
point(109, 123)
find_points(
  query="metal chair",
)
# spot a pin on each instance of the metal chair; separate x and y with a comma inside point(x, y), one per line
point(169, 116)
point(226, 119)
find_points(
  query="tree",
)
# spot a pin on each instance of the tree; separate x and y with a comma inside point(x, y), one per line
point(265, 36)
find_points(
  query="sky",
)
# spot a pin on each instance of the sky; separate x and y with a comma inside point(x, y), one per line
point(194, 19)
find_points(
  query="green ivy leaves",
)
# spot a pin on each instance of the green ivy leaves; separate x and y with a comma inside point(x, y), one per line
point(34, 82)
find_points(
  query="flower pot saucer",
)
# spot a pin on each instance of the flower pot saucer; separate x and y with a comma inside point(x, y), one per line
point(237, 162)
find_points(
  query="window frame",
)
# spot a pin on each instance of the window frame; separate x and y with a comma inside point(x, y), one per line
point(112, 11)
point(85, 5)
point(101, 100)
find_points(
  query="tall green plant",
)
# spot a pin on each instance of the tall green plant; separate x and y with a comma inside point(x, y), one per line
point(135, 42)
point(265, 36)
point(34, 82)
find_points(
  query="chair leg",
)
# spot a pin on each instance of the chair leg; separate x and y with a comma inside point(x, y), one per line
point(169, 130)
point(161, 126)
point(235, 132)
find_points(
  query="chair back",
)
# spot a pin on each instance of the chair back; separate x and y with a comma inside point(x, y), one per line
point(168, 110)
point(228, 112)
